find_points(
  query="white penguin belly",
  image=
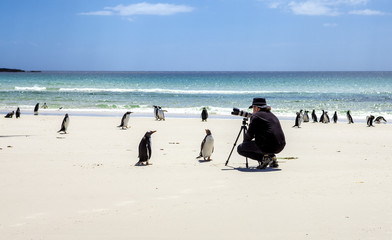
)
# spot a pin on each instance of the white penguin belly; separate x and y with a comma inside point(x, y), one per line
point(66, 123)
point(126, 120)
point(208, 147)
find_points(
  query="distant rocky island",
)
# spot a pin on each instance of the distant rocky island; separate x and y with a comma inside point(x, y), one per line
point(14, 70)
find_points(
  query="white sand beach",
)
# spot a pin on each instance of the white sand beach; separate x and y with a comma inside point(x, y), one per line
point(335, 184)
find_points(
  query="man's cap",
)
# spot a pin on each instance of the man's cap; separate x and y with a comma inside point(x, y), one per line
point(259, 102)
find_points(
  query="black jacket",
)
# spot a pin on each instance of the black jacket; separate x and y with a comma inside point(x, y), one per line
point(265, 128)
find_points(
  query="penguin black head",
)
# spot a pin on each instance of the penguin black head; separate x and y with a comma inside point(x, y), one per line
point(208, 132)
point(129, 112)
point(149, 133)
point(66, 115)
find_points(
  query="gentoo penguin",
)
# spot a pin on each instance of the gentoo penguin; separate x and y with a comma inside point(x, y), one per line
point(324, 118)
point(64, 124)
point(379, 119)
point(156, 112)
point(204, 115)
point(314, 116)
point(306, 116)
point(36, 109)
point(145, 149)
point(17, 114)
point(349, 118)
point(335, 117)
point(298, 120)
point(207, 146)
point(302, 115)
point(369, 120)
point(9, 115)
point(161, 115)
point(125, 120)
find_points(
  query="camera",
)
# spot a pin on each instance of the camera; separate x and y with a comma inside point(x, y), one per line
point(241, 113)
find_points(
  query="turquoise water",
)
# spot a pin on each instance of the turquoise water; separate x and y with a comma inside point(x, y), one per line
point(185, 93)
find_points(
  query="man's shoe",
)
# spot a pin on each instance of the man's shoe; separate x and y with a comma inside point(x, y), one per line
point(264, 162)
point(274, 164)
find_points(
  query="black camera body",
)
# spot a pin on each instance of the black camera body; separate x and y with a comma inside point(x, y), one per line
point(238, 112)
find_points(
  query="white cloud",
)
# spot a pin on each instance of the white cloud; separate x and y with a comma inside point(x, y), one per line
point(315, 8)
point(366, 12)
point(322, 7)
point(162, 9)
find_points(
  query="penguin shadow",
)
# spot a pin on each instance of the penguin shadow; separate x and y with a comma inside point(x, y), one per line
point(252, 169)
point(5, 136)
point(204, 161)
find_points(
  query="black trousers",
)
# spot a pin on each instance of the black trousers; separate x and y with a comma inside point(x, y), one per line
point(250, 150)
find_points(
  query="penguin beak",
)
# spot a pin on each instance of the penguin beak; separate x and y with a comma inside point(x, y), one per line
point(153, 132)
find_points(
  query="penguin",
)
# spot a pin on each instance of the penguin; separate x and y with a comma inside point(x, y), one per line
point(125, 120)
point(17, 113)
point(9, 115)
point(207, 146)
point(64, 124)
point(156, 112)
point(44, 106)
point(322, 117)
point(298, 120)
point(36, 109)
point(335, 117)
point(314, 116)
point(379, 119)
point(349, 118)
point(306, 116)
point(301, 114)
point(204, 115)
point(161, 115)
point(325, 117)
point(369, 120)
point(145, 149)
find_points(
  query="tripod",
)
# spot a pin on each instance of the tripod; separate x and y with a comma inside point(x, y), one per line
point(242, 130)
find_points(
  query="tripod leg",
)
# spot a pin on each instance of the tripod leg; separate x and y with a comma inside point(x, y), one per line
point(235, 143)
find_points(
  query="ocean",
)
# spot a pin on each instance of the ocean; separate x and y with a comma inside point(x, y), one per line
point(184, 94)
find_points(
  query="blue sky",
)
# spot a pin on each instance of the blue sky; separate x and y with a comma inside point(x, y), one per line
point(199, 35)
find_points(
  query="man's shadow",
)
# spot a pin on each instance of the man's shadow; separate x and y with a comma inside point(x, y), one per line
point(251, 169)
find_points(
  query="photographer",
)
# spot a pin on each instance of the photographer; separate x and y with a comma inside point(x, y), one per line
point(269, 138)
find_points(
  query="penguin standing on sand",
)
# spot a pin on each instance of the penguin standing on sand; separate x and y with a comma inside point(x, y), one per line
point(161, 115)
point(156, 112)
point(379, 119)
point(125, 120)
point(306, 116)
point(145, 149)
point(335, 117)
point(322, 117)
point(325, 118)
point(314, 116)
point(369, 120)
point(9, 115)
point(207, 146)
point(36, 108)
point(64, 124)
point(349, 118)
point(298, 120)
point(204, 115)
point(17, 113)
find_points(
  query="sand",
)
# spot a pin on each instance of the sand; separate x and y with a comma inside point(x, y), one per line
point(335, 184)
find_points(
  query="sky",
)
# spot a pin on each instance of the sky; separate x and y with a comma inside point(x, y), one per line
point(196, 35)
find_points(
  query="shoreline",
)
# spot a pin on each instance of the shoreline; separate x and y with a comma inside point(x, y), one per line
point(118, 113)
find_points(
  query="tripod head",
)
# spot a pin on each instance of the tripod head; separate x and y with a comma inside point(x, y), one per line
point(245, 121)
